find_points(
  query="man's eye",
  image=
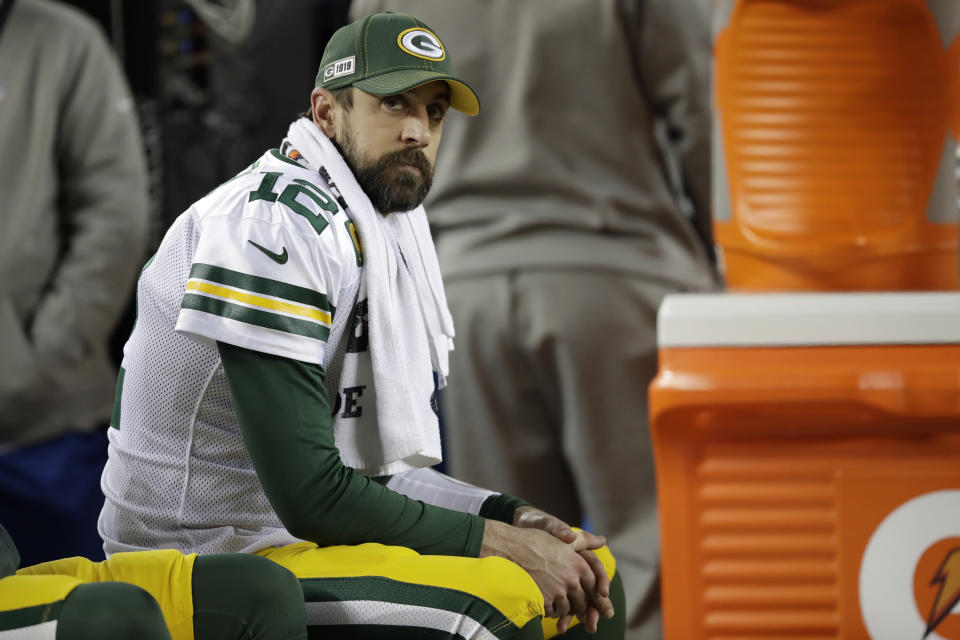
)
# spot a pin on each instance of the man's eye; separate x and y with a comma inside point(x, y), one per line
point(436, 113)
point(392, 102)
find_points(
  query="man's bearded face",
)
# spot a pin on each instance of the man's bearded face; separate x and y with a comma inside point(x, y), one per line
point(397, 181)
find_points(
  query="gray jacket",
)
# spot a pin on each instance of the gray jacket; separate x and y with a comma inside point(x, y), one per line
point(73, 219)
point(565, 166)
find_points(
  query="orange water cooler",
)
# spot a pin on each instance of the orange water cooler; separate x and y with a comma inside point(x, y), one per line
point(808, 466)
point(835, 135)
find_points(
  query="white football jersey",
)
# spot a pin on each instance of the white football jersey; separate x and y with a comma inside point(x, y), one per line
point(268, 261)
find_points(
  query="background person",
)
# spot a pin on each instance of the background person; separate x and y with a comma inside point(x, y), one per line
point(563, 214)
point(73, 224)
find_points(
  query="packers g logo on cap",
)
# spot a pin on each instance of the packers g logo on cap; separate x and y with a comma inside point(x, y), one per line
point(421, 43)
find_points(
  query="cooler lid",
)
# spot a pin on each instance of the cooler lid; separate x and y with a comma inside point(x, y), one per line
point(808, 319)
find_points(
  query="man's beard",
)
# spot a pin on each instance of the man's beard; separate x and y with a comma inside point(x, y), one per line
point(390, 188)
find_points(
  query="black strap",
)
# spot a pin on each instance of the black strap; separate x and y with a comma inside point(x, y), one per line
point(5, 7)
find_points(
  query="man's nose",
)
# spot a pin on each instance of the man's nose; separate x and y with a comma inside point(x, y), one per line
point(416, 129)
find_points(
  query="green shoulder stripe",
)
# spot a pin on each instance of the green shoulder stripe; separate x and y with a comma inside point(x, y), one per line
point(258, 284)
point(256, 317)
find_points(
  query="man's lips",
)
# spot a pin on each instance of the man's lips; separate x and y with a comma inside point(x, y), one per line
point(411, 168)
point(411, 161)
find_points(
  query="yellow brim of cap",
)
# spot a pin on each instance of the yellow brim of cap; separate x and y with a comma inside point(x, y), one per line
point(462, 97)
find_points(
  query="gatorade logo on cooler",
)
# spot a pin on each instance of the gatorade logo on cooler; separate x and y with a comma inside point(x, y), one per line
point(421, 43)
point(910, 571)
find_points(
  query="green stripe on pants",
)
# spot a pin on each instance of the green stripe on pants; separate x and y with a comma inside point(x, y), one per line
point(29, 616)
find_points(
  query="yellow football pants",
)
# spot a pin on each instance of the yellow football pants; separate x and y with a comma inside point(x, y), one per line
point(351, 589)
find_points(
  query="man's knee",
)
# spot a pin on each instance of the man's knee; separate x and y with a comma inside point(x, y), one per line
point(111, 610)
point(265, 581)
point(261, 592)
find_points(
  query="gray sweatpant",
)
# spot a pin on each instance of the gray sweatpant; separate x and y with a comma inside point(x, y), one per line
point(548, 402)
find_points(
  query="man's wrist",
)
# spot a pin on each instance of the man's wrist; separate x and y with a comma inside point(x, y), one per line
point(495, 540)
point(502, 507)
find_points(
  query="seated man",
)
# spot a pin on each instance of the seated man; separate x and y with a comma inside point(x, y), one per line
point(148, 595)
point(277, 393)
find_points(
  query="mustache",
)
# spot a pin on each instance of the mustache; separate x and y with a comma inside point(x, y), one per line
point(414, 157)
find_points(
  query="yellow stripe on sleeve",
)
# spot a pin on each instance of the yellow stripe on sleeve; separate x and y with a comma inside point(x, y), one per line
point(259, 301)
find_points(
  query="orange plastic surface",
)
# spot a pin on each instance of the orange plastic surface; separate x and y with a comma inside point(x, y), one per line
point(775, 468)
point(834, 116)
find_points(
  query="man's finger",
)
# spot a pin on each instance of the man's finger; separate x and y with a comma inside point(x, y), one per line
point(559, 529)
point(596, 565)
point(564, 623)
point(558, 607)
point(532, 518)
point(585, 540)
point(591, 620)
point(579, 601)
point(588, 576)
point(599, 595)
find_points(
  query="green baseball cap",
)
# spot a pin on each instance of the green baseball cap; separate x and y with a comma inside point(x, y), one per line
point(388, 53)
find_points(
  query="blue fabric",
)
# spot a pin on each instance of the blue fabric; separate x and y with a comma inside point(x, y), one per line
point(50, 497)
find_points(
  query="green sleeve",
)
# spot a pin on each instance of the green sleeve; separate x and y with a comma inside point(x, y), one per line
point(501, 506)
point(284, 415)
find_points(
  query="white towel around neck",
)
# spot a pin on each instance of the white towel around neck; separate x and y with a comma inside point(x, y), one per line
point(410, 328)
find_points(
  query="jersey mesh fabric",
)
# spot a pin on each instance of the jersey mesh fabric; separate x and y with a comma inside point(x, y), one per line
point(179, 475)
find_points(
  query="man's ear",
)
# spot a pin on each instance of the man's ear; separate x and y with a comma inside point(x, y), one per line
point(323, 107)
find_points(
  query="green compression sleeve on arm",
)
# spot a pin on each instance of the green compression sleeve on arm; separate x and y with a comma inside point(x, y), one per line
point(501, 507)
point(284, 415)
